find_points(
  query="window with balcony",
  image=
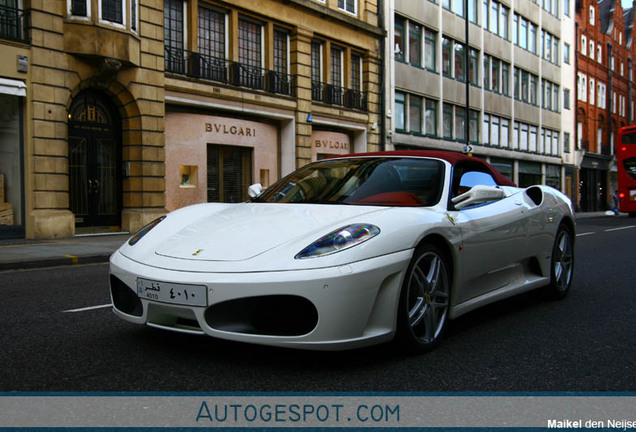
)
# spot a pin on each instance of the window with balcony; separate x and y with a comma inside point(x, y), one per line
point(249, 69)
point(174, 30)
point(212, 53)
point(316, 70)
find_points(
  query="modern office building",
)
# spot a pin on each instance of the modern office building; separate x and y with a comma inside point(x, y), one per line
point(491, 78)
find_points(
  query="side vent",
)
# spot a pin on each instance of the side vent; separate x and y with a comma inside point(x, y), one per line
point(535, 194)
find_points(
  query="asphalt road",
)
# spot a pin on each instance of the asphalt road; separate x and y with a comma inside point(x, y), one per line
point(51, 342)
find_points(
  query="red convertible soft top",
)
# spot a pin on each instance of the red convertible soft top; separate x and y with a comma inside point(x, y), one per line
point(452, 157)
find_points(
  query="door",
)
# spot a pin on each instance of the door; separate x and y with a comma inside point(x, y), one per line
point(229, 173)
point(95, 161)
point(494, 237)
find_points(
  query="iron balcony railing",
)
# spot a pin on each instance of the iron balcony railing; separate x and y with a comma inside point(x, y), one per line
point(13, 23)
point(335, 95)
point(197, 65)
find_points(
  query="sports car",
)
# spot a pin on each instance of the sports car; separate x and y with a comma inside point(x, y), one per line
point(347, 252)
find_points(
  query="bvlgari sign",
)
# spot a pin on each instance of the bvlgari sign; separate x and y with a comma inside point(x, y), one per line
point(227, 129)
point(330, 143)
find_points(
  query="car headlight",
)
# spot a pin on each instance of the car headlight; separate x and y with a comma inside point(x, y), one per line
point(338, 240)
point(142, 232)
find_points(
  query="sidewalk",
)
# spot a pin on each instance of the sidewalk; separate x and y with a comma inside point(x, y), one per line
point(29, 254)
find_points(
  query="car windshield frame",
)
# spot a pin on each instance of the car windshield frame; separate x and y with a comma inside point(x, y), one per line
point(369, 181)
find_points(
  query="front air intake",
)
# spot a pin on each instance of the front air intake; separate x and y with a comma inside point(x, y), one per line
point(124, 298)
point(273, 315)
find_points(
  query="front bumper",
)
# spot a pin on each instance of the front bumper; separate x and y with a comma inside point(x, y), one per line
point(331, 308)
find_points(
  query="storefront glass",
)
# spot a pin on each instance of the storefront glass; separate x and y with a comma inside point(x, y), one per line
point(11, 179)
point(529, 174)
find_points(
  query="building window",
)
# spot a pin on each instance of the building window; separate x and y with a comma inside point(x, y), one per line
point(566, 53)
point(398, 38)
point(430, 51)
point(473, 126)
point(250, 54)
point(458, 7)
point(415, 114)
point(583, 44)
point(599, 53)
point(400, 111)
point(431, 117)
point(80, 8)
point(113, 11)
point(174, 30)
point(446, 56)
point(134, 15)
point(356, 72)
point(473, 67)
point(460, 67)
point(505, 78)
point(347, 5)
point(460, 124)
point(487, 59)
point(211, 32)
point(415, 44)
point(281, 52)
point(592, 15)
point(447, 121)
point(473, 5)
point(336, 66)
point(494, 131)
point(566, 99)
point(316, 70)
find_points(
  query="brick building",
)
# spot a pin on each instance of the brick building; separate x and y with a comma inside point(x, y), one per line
point(605, 91)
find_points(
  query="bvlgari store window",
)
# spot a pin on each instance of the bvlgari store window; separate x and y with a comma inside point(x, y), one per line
point(215, 159)
point(11, 156)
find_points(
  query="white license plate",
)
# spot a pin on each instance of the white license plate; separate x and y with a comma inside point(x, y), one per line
point(167, 292)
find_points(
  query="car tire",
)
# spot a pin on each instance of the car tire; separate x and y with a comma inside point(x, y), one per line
point(424, 300)
point(561, 263)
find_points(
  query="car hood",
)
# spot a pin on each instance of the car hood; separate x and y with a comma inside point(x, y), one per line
point(244, 231)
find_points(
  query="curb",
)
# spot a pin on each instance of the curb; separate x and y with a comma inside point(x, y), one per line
point(54, 262)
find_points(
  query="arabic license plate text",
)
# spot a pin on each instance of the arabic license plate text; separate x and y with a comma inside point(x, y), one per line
point(167, 292)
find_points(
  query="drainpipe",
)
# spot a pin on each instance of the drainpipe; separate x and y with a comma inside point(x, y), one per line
point(382, 77)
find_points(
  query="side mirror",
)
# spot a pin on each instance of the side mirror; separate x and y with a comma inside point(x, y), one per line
point(478, 195)
point(255, 190)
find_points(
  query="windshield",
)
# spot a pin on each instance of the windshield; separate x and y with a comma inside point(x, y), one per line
point(377, 181)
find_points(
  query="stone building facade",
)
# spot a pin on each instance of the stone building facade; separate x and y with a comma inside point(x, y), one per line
point(116, 111)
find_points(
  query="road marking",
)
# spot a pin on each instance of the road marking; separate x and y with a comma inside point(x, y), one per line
point(87, 308)
point(620, 228)
point(73, 258)
point(585, 234)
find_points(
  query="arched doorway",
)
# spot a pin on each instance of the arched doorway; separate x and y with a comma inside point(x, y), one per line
point(94, 137)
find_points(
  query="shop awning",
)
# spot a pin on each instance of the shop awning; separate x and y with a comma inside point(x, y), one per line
point(12, 87)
